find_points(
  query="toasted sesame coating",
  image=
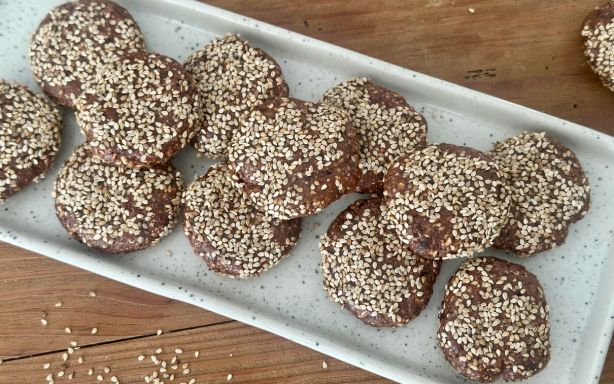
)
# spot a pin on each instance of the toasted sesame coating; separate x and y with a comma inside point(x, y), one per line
point(114, 208)
point(139, 111)
point(227, 231)
point(385, 124)
point(294, 157)
point(30, 136)
point(548, 191)
point(370, 272)
point(494, 321)
point(598, 34)
point(446, 201)
point(75, 40)
point(232, 78)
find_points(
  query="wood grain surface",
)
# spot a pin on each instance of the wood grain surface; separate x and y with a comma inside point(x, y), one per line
point(525, 51)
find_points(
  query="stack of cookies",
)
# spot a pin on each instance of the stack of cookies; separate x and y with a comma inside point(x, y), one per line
point(434, 202)
point(282, 159)
point(118, 192)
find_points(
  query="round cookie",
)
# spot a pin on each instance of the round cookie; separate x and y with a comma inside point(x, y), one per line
point(75, 40)
point(548, 191)
point(232, 78)
point(598, 35)
point(446, 201)
point(139, 111)
point(113, 208)
point(295, 157)
point(494, 321)
point(228, 233)
point(30, 136)
point(385, 124)
point(370, 272)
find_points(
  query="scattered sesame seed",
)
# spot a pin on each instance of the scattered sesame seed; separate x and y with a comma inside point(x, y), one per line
point(141, 358)
point(46, 365)
point(58, 304)
point(178, 350)
point(229, 377)
point(94, 331)
point(67, 330)
point(471, 10)
point(158, 332)
point(92, 294)
point(44, 322)
point(324, 365)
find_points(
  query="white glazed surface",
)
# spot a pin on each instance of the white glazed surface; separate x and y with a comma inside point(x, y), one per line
point(289, 299)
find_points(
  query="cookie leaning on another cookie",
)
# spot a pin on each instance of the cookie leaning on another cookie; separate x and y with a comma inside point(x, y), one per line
point(446, 201)
point(139, 111)
point(548, 191)
point(385, 124)
point(232, 78)
point(293, 158)
point(598, 34)
point(30, 136)
point(370, 272)
point(75, 40)
point(494, 321)
point(114, 208)
point(225, 229)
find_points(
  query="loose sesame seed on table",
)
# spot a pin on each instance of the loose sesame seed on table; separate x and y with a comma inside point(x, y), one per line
point(524, 51)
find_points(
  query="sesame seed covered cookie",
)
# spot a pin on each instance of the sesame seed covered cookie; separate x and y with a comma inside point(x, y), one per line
point(385, 124)
point(548, 191)
point(30, 135)
point(370, 272)
point(75, 40)
point(232, 78)
point(294, 157)
point(446, 201)
point(598, 34)
point(226, 230)
point(494, 321)
point(139, 111)
point(114, 208)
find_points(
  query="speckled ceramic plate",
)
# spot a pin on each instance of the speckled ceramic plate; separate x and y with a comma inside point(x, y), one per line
point(289, 300)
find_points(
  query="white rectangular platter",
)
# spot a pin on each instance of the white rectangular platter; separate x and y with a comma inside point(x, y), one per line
point(578, 277)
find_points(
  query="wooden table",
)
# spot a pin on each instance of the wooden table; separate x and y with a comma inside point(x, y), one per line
point(525, 51)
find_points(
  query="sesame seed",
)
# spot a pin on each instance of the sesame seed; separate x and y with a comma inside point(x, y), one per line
point(229, 377)
point(58, 304)
point(92, 294)
point(94, 331)
point(324, 365)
